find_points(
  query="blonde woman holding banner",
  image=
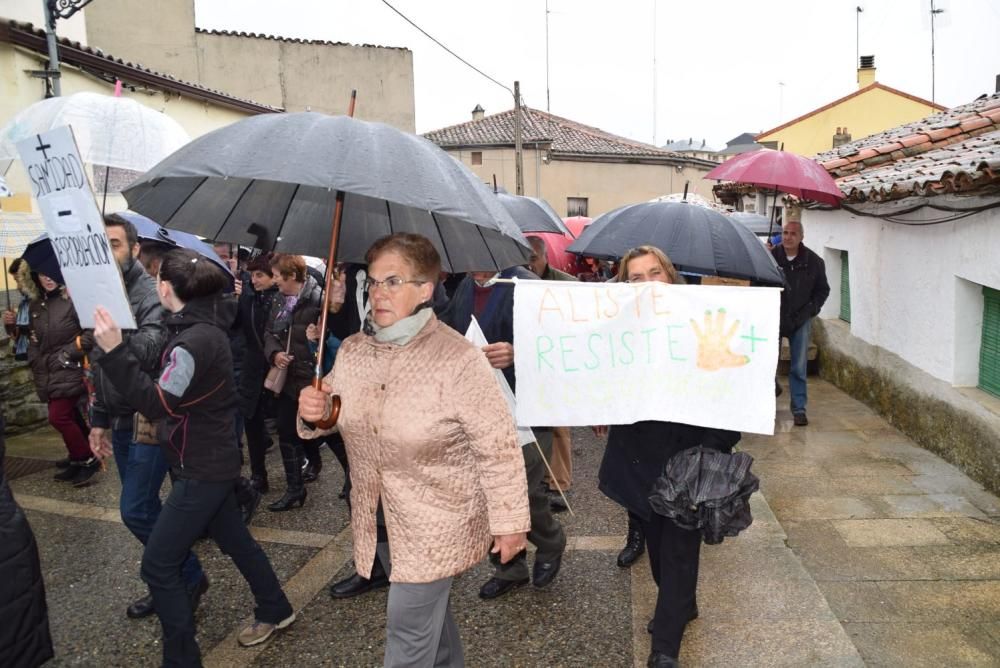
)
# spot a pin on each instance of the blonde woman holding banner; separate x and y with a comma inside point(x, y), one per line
point(635, 456)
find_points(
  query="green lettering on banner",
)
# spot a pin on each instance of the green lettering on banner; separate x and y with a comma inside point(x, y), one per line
point(590, 346)
point(541, 353)
point(671, 341)
point(564, 351)
point(649, 343)
point(631, 356)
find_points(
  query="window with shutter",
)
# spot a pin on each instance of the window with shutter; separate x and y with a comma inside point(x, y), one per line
point(989, 351)
point(845, 288)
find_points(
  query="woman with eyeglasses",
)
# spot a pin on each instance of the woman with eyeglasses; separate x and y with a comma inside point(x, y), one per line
point(428, 434)
point(635, 457)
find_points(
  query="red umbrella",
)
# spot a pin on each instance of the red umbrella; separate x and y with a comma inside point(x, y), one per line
point(576, 224)
point(555, 250)
point(778, 170)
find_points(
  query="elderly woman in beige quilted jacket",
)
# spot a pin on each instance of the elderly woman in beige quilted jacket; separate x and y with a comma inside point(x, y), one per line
point(429, 433)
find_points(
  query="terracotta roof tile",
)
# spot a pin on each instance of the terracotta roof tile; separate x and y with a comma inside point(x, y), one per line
point(291, 40)
point(965, 164)
point(563, 135)
point(936, 132)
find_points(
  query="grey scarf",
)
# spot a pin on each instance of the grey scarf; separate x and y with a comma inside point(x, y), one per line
point(402, 331)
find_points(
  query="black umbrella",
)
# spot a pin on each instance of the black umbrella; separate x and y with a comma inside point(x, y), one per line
point(272, 181)
point(292, 182)
point(697, 240)
point(41, 258)
point(532, 214)
point(756, 223)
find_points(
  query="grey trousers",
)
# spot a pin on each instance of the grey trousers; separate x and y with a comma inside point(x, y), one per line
point(546, 533)
point(420, 631)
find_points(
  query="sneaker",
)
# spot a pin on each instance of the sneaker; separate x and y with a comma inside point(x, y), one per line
point(63, 463)
point(800, 419)
point(259, 631)
point(85, 471)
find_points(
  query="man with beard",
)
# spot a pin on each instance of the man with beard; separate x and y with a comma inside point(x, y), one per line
point(141, 466)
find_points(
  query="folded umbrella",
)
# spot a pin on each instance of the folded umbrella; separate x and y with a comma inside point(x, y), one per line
point(697, 240)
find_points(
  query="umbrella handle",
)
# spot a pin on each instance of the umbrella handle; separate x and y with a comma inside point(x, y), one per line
point(331, 421)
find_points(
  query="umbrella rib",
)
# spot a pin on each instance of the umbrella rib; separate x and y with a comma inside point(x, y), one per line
point(488, 250)
point(229, 215)
point(185, 201)
point(444, 246)
point(284, 216)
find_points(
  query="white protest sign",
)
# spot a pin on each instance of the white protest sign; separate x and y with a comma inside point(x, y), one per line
point(475, 335)
point(75, 227)
point(618, 353)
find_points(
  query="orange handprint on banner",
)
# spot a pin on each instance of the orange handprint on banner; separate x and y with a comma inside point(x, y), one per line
point(713, 343)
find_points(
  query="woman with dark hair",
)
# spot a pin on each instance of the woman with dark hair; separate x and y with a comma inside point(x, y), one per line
point(635, 457)
point(256, 304)
point(194, 400)
point(429, 437)
point(287, 347)
point(56, 347)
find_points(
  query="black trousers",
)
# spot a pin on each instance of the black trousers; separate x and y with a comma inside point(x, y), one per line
point(546, 533)
point(258, 440)
point(673, 558)
point(192, 508)
point(292, 450)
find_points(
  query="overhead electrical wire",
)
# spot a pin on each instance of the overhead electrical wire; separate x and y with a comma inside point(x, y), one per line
point(438, 42)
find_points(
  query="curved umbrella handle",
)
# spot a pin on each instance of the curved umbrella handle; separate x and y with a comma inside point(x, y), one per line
point(331, 421)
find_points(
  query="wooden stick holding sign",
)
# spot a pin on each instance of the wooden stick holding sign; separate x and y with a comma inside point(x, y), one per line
point(75, 226)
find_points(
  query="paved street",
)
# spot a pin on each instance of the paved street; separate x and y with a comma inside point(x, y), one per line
point(865, 549)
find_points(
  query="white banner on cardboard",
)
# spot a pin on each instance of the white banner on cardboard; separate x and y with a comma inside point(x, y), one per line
point(475, 336)
point(75, 227)
point(618, 353)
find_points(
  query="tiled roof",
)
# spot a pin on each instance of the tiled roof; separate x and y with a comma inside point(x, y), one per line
point(566, 137)
point(860, 91)
point(291, 40)
point(969, 165)
point(957, 150)
point(87, 58)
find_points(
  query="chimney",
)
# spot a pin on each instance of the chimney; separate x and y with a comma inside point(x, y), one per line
point(478, 113)
point(866, 72)
point(841, 137)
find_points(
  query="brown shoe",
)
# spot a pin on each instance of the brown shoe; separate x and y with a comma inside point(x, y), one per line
point(259, 631)
point(800, 419)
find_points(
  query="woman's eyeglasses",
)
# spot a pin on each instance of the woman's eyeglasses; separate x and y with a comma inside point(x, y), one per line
point(391, 285)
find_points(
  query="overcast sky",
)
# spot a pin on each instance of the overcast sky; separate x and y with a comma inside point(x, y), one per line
point(723, 67)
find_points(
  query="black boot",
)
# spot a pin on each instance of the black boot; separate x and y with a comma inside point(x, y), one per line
point(260, 482)
point(295, 494)
point(289, 500)
point(355, 585)
point(635, 544)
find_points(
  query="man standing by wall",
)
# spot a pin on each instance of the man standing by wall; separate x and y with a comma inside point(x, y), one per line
point(806, 289)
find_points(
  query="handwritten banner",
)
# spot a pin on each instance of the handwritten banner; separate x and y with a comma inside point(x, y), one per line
point(75, 227)
point(618, 353)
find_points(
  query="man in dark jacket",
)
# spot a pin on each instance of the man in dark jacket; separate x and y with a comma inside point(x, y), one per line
point(806, 289)
point(492, 304)
point(141, 466)
point(25, 641)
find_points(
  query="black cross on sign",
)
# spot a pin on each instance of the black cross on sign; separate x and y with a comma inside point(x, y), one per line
point(41, 147)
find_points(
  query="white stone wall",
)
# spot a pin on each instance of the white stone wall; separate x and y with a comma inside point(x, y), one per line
point(916, 290)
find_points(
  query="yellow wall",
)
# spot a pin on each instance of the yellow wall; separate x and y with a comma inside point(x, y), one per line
point(872, 111)
point(606, 185)
point(18, 90)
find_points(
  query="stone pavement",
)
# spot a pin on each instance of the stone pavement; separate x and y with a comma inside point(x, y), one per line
point(864, 550)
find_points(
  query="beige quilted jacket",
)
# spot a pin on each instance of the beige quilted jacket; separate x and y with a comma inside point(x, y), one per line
point(428, 430)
